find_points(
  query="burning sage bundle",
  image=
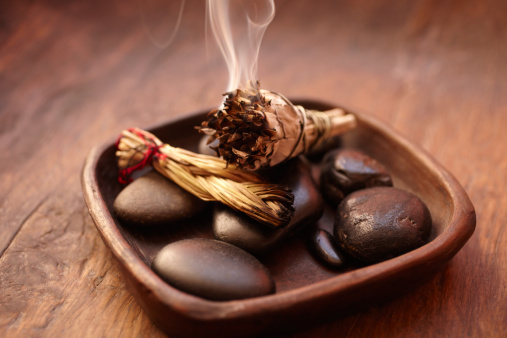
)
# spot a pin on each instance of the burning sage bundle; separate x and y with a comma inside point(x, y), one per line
point(257, 128)
point(207, 177)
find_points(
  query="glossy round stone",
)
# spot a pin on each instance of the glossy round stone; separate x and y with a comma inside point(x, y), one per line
point(345, 170)
point(212, 269)
point(380, 223)
point(153, 200)
point(244, 232)
point(324, 249)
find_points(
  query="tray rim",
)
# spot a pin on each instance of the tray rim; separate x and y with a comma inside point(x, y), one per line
point(441, 248)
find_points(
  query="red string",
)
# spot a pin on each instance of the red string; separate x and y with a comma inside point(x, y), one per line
point(151, 150)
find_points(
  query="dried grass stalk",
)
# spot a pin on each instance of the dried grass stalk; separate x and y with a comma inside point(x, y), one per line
point(258, 128)
point(207, 177)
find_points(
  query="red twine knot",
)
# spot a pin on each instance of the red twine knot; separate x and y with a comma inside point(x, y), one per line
point(150, 150)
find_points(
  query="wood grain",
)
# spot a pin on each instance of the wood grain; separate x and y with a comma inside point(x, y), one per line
point(74, 74)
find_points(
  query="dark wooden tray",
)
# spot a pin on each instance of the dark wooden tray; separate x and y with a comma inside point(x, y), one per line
point(307, 292)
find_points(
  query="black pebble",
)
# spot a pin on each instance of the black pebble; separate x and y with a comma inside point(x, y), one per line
point(345, 170)
point(236, 228)
point(379, 223)
point(153, 200)
point(212, 269)
point(323, 247)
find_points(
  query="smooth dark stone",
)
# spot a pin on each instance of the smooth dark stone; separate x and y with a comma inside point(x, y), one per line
point(204, 148)
point(345, 170)
point(155, 200)
point(238, 229)
point(323, 247)
point(315, 155)
point(379, 223)
point(212, 269)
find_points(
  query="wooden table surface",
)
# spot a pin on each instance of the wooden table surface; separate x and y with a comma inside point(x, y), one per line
point(73, 74)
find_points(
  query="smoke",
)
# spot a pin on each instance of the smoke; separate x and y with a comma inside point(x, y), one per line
point(167, 10)
point(238, 27)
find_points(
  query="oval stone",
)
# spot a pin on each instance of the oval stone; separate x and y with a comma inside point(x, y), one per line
point(155, 200)
point(380, 223)
point(212, 269)
point(345, 170)
point(324, 249)
point(242, 231)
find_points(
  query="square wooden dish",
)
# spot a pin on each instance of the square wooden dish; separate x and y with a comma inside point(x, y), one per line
point(307, 292)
